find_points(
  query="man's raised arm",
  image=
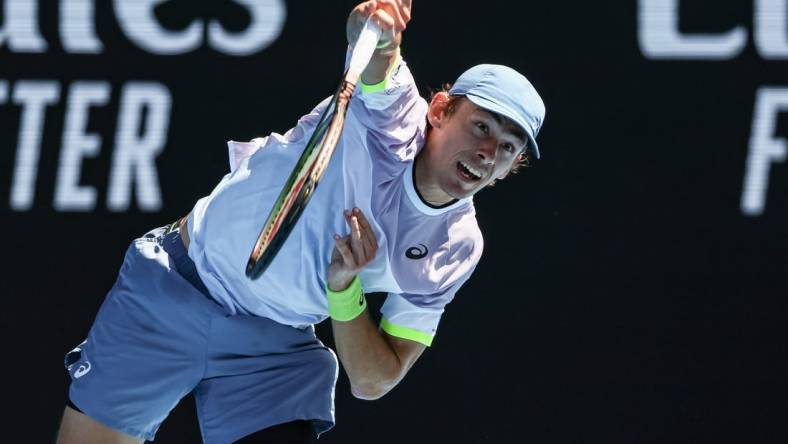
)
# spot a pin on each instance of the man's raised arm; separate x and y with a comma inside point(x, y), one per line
point(392, 16)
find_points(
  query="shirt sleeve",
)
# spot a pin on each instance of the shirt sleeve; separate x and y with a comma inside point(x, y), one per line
point(392, 112)
point(416, 317)
point(238, 151)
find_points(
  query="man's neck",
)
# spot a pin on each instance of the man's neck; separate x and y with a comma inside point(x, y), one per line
point(425, 183)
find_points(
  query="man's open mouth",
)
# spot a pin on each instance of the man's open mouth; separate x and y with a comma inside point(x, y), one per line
point(468, 172)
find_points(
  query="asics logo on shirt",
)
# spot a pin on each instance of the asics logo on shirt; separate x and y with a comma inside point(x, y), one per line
point(416, 252)
point(82, 370)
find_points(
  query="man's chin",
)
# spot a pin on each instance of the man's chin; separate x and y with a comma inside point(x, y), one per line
point(462, 192)
point(462, 189)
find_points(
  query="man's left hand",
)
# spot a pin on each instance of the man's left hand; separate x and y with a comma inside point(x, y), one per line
point(352, 252)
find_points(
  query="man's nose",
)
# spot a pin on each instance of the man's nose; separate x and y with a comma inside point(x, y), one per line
point(486, 150)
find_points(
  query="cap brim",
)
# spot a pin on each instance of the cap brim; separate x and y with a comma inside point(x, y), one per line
point(491, 106)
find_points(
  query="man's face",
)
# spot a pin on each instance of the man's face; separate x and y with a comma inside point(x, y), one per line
point(470, 148)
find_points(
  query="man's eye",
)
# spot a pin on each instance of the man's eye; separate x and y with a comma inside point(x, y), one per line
point(508, 147)
point(482, 127)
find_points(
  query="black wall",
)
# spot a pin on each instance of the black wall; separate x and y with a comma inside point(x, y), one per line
point(624, 296)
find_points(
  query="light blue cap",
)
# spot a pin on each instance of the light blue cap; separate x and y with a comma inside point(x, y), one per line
point(502, 90)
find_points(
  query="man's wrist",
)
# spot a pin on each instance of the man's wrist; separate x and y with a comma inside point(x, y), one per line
point(338, 284)
point(389, 43)
point(378, 83)
point(347, 304)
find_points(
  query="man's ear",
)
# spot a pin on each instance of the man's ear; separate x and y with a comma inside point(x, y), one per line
point(436, 112)
point(513, 168)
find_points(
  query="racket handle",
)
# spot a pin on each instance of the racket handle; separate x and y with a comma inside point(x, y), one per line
point(362, 51)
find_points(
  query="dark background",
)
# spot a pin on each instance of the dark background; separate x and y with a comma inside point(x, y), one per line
point(623, 296)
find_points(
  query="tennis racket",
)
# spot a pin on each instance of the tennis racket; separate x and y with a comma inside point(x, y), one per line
point(313, 162)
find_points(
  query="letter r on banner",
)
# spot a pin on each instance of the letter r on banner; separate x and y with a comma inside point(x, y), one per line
point(764, 149)
point(134, 158)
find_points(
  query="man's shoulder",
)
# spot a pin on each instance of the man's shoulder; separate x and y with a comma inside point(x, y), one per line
point(464, 231)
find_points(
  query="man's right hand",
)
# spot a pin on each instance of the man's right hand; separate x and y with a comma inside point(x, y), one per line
point(391, 15)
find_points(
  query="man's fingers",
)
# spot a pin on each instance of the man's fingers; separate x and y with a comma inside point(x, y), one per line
point(344, 250)
point(362, 220)
point(360, 246)
point(406, 7)
point(368, 234)
point(356, 242)
point(394, 10)
point(366, 240)
point(384, 20)
point(354, 238)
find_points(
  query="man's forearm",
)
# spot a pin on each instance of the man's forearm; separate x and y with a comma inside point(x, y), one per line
point(371, 363)
point(381, 63)
point(392, 18)
point(374, 360)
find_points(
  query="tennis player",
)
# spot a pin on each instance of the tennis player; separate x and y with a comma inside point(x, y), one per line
point(393, 214)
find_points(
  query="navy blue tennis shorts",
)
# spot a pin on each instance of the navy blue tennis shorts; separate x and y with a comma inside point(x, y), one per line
point(159, 336)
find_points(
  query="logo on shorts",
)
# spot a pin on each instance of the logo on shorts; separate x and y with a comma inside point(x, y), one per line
point(82, 370)
point(416, 252)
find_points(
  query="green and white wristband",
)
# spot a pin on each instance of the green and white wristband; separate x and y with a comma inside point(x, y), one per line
point(347, 304)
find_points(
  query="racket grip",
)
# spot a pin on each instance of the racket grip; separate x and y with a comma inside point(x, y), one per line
point(364, 48)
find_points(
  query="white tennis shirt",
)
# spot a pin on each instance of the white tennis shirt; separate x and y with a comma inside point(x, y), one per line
point(425, 254)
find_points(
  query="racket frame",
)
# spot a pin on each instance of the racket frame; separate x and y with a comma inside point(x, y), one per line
point(303, 180)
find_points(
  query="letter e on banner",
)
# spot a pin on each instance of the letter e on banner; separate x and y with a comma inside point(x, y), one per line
point(78, 144)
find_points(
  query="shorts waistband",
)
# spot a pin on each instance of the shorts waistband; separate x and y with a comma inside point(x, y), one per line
point(173, 245)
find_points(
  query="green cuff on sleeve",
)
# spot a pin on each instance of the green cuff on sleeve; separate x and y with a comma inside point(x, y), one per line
point(406, 333)
point(382, 85)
